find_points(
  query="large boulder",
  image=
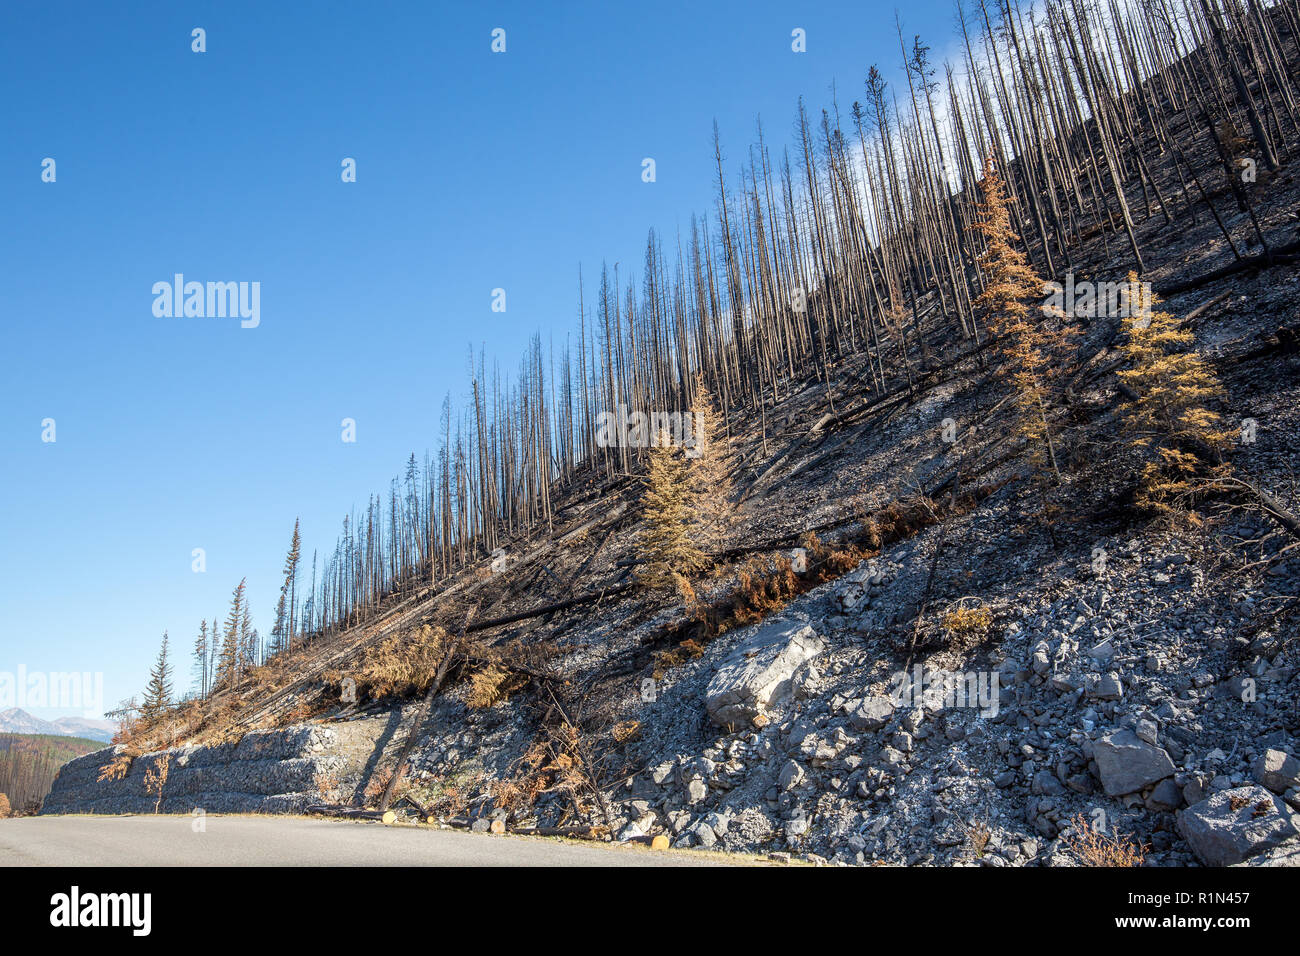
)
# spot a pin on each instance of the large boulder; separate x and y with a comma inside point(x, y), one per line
point(1127, 763)
point(758, 672)
point(1233, 825)
point(1277, 770)
point(871, 713)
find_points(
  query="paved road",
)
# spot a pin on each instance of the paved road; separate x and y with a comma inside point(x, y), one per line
point(252, 841)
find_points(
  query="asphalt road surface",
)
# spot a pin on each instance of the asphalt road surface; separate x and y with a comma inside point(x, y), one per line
point(295, 841)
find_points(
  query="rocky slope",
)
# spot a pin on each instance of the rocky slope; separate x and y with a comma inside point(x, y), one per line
point(1123, 674)
point(267, 771)
point(1134, 696)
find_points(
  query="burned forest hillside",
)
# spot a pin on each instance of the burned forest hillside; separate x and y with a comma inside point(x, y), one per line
point(989, 532)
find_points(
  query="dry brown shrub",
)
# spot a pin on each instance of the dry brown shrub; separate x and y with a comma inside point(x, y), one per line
point(512, 795)
point(1098, 849)
point(763, 590)
point(155, 779)
point(763, 587)
point(626, 730)
point(967, 626)
point(827, 562)
point(529, 782)
point(871, 534)
point(449, 795)
point(978, 837)
point(664, 661)
point(902, 519)
point(116, 768)
point(401, 665)
point(692, 648)
point(553, 764)
point(843, 560)
point(566, 765)
point(491, 684)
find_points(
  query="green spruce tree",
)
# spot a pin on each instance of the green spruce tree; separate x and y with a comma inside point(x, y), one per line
point(158, 693)
point(229, 664)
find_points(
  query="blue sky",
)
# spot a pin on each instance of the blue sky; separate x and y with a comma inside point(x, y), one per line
point(475, 171)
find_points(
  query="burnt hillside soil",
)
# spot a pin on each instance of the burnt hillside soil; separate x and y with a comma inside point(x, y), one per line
point(1099, 615)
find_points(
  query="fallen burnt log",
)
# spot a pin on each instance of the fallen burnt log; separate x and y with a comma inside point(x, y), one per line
point(338, 810)
point(587, 598)
point(1268, 504)
point(977, 494)
point(573, 832)
point(1282, 256)
point(578, 833)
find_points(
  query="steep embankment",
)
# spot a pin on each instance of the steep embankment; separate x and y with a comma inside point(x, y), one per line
point(1125, 678)
point(1141, 671)
point(266, 771)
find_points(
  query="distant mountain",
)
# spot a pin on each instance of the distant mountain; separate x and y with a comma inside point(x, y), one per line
point(16, 721)
point(88, 729)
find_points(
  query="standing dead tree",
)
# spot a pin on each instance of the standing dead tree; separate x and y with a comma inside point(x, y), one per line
point(846, 242)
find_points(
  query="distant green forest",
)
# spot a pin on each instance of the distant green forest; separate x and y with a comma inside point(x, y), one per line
point(30, 762)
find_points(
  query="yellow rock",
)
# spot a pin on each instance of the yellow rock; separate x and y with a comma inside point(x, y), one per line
point(659, 843)
point(498, 826)
point(389, 817)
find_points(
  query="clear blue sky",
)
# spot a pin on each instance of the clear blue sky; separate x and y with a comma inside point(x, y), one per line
point(475, 171)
